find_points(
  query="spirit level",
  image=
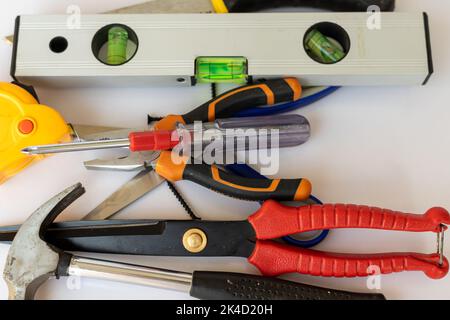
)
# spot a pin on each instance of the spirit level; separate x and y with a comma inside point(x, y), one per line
point(322, 49)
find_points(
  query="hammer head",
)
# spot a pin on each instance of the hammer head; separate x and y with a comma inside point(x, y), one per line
point(31, 261)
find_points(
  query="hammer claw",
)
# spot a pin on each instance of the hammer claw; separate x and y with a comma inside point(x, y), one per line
point(31, 261)
point(58, 204)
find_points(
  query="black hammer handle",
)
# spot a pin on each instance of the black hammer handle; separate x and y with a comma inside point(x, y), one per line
point(234, 286)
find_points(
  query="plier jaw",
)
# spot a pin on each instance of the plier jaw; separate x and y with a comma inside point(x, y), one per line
point(80, 133)
point(135, 161)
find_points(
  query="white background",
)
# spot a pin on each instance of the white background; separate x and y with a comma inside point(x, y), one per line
point(381, 146)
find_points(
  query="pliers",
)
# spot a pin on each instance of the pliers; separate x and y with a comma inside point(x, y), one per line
point(256, 239)
point(158, 167)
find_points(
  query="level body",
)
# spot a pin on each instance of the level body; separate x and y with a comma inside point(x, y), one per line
point(60, 50)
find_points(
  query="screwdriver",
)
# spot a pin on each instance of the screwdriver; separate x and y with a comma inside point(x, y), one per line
point(245, 133)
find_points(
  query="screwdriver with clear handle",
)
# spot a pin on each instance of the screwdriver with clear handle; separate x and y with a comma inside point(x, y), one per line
point(241, 133)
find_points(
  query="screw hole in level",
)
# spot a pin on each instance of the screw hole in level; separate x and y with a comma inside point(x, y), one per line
point(58, 44)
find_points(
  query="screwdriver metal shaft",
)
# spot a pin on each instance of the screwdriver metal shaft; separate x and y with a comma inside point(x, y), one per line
point(78, 146)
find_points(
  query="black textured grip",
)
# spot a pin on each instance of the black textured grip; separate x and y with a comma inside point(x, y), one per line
point(332, 5)
point(247, 188)
point(234, 286)
point(250, 96)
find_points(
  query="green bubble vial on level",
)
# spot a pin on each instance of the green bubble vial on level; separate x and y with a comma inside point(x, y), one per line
point(221, 70)
point(117, 45)
point(322, 48)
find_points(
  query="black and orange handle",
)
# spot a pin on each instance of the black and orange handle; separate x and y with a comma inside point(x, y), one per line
point(229, 103)
point(176, 169)
point(225, 6)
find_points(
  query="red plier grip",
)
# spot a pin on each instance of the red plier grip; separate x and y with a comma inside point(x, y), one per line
point(274, 259)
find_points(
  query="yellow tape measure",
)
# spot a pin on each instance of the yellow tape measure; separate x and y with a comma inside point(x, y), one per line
point(25, 122)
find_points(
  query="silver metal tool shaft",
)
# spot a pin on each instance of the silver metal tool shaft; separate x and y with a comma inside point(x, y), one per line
point(129, 273)
point(144, 182)
point(78, 146)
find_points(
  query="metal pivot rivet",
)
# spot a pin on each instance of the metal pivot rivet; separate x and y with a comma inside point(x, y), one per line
point(194, 240)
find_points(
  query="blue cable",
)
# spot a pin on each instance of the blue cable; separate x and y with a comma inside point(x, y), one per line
point(312, 242)
point(289, 106)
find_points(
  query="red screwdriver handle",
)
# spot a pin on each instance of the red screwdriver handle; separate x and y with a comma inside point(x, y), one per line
point(274, 220)
point(153, 140)
point(274, 259)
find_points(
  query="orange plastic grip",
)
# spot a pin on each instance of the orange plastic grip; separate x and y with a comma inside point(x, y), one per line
point(175, 168)
point(226, 105)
